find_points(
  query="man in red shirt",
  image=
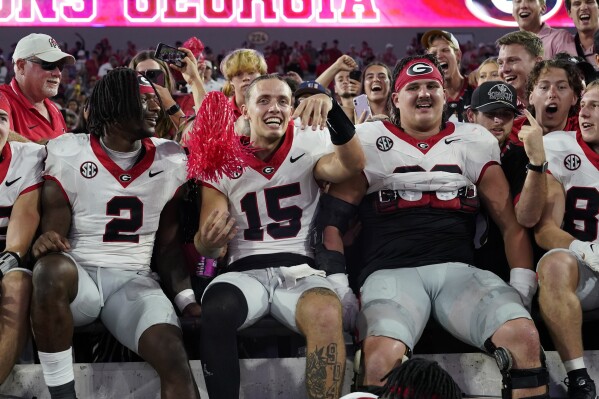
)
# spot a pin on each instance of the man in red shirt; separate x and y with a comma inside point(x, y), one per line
point(38, 62)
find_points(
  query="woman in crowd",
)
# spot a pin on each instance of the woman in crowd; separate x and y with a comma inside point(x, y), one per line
point(176, 107)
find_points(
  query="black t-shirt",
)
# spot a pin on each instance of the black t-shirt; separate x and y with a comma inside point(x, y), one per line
point(413, 237)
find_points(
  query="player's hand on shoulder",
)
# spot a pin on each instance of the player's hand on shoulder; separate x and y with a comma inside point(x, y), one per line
point(313, 111)
point(192, 310)
point(532, 137)
point(49, 242)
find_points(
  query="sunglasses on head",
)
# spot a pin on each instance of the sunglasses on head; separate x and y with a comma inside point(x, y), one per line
point(48, 66)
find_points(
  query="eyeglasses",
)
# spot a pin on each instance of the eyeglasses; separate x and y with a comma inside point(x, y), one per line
point(48, 66)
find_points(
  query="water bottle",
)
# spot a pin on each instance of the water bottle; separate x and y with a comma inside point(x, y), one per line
point(206, 267)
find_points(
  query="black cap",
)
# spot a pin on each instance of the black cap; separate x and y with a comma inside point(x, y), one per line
point(586, 69)
point(309, 87)
point(493, 95)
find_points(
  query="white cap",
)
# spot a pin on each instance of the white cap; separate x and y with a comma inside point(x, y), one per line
point(208, 64)
point(41, 46)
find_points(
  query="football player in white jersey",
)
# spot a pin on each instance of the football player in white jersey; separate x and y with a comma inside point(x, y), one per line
point(264, 215)
point(569, 272)
point(417, 200)
point(110, 200)
point(20, 183)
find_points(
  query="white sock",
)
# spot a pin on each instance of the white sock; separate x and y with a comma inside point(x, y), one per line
point(574, 364)
point(57, 367)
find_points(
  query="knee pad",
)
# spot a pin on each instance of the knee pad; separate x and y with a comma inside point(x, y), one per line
point(224, 303)
point(517, 378)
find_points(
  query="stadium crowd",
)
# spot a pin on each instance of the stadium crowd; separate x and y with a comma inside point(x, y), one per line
point(453, 181)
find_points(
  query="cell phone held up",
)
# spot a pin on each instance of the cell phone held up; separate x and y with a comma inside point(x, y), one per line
point(361, 105)
point(170, 55)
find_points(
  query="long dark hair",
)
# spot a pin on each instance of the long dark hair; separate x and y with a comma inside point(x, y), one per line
point(115, 99)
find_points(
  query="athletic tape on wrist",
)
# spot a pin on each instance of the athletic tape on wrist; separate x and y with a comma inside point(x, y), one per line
point(184, 298)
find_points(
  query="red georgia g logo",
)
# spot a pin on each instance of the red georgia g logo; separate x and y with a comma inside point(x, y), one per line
point(499, 12)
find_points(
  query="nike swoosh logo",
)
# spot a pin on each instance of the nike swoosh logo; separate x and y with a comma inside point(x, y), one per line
point(449, 141)
point(10, 183)
point(157, 173)
point(33, 127)
point(292, 160)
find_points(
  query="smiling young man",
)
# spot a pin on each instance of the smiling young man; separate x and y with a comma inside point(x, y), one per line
point(38, 62)
point(569, 272)
point(518, 54)
point(20, 182)
point(446, 48)
point(110, 204)
point(417, 200)
point(494, 106)
point(528, 13)
point(420, 190)
point(585, 15)
point(264, 215)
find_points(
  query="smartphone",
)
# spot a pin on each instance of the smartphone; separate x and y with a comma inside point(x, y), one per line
point(361, 105)
point(356, 74)
point(170, 55)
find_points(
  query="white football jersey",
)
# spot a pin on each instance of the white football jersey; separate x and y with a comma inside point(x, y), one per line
point(274, 202)
point(447, 161)
point(20, 173)
point(115, 212)
point(576, 166)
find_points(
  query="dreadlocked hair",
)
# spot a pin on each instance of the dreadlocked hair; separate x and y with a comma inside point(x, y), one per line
point(115, 99)
point(419, 378)
point(164, 125)
point(394, 115)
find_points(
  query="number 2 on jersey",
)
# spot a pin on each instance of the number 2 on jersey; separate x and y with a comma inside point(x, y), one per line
point(117, 227)
point(290, 215)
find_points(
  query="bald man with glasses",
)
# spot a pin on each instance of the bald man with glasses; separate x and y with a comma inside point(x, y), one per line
point(38, 62)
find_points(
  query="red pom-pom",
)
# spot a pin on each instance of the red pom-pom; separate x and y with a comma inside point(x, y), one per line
point(196, 46)
point(214, 147)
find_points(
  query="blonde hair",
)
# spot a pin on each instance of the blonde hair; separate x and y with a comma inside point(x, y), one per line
point(491, 60)
point(594, 85)
point(241, 60)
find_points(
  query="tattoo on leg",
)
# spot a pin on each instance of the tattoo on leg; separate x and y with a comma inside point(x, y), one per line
point(318, 364)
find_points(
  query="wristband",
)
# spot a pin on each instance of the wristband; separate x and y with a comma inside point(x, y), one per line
point(538, 168)
point(184, 298)
point(340, 126)
point(173, 109)
point(9, 260)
